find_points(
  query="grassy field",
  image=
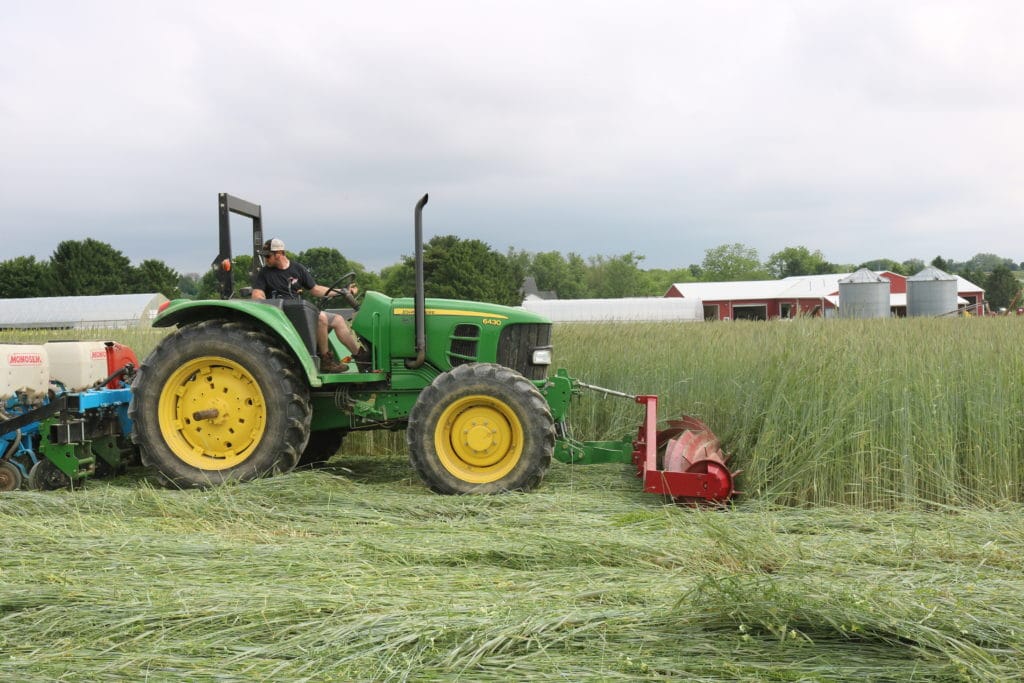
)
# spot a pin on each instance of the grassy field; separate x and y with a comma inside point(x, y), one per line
point(880, 537)
point(356, 572)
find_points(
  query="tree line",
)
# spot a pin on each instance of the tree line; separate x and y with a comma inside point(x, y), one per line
point(460, 268)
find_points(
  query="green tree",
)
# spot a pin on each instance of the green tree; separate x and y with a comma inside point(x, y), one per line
point(732, 262)
point(23, 277)
point(987, 262)
point(658, 280)
point(188, 285)
point(976, 277)
point(913, 266)
point(615, 277)
point(797, 261)
point(564, 275)
point(80, 268)
point(153, 275)
point(885, 264)
point(399, 279)
point(455, 268)
point(208, 287)
point(327, 264)
point(520, 259)
point(366, 279)
point(1001, 287)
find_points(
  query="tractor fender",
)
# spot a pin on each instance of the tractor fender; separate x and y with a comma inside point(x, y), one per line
point(270, 319)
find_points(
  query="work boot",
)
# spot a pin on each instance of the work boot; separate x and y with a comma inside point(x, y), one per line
point(330, 364)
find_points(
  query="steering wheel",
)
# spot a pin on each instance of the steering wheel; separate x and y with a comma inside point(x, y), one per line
point(348, 278)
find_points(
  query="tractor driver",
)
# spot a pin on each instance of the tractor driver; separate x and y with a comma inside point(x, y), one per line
point(282, 278)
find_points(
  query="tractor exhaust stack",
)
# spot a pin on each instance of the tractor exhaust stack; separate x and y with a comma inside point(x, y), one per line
point(420, 299)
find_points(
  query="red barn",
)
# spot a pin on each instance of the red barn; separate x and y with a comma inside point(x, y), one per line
point(798, 295)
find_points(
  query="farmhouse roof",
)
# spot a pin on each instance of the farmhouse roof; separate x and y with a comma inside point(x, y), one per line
point(796, 286)
point(529, 290)
point(793, 287)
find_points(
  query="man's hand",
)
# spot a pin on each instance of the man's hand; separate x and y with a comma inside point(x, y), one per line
point(353, 289)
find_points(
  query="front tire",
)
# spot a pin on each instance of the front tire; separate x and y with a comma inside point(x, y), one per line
point(219, 402)
point(481, 428)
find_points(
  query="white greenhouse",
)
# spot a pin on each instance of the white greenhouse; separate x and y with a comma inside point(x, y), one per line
point(633, 309)
point(80, 312)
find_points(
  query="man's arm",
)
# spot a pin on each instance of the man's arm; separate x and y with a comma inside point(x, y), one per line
point(321, 290)
point(258, 294)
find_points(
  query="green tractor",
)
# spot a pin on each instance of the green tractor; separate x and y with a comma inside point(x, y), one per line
point(236, 392)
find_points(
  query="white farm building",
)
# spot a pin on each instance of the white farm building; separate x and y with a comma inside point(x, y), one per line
point(634, 309)
point(80, 312)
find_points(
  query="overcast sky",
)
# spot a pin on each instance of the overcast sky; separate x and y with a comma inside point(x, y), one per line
point(861, 129)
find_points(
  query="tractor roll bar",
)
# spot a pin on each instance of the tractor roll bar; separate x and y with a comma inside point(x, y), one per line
point(227, 205)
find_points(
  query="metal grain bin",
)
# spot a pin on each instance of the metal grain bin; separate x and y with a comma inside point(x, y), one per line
point(931, 292)
point(864, 294)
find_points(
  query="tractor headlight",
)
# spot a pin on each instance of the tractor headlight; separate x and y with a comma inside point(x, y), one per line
point(542, 356)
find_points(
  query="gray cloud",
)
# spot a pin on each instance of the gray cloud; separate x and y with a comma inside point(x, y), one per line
point(863, 129)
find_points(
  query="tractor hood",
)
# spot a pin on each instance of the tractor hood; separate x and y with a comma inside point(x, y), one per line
point(457, 332)
point(376, 303)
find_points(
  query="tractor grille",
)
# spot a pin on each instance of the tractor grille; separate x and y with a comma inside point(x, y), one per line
point(516, 346)
point(464, 342)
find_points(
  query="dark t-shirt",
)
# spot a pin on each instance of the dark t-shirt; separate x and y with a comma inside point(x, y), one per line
point(283, 284)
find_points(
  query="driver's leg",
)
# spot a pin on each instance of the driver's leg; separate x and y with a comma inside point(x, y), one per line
point(343, 332)
point(328, 363)
point(321, 333)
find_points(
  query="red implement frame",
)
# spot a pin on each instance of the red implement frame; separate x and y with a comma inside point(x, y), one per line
point(713, 484)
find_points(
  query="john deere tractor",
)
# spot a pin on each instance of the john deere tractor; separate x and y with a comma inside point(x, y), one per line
point(236, 392)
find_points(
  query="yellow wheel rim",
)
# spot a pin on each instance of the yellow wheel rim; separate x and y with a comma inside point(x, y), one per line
point(212, 413)
point(479, 439)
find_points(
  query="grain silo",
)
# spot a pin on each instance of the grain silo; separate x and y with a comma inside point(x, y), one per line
point(864, 294)
point(931, 292)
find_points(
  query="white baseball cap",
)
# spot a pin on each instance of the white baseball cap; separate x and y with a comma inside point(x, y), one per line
point(272, 245)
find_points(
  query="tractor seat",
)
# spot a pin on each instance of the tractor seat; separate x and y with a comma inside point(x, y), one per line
point(303, 316)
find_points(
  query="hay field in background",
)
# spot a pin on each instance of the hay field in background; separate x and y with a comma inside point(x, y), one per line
point(879, 413)
point(880, 539)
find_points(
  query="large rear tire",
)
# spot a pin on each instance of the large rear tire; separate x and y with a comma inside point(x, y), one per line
point(219, 402)
point(481, 428)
